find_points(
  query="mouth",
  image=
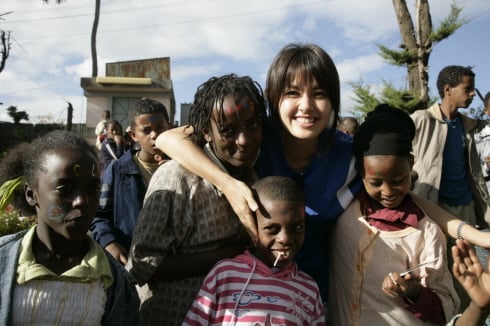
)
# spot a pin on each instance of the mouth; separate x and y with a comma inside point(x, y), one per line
point(305, 120)
point(281, 255)
point(389, 201)
point(77, 221)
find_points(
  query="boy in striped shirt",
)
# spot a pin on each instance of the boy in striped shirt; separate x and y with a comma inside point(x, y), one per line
point(263, 286)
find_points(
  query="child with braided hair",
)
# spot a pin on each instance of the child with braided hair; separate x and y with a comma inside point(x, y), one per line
point(186, 225)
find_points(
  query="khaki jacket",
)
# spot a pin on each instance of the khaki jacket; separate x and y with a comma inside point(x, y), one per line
point(428, 147)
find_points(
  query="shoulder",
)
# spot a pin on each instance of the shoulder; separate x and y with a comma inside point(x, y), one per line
point(11, 239)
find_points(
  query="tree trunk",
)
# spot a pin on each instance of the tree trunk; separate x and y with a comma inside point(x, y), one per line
point(407, 32)
point(93, 39)
point(418, 42)
point(424, 29)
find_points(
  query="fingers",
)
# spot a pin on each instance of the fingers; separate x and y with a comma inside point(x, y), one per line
point(393, 279)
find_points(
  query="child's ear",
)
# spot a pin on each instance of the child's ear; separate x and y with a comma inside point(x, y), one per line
point(207, 135)
point(30, 196)
point(447, 90)
point(132, 135)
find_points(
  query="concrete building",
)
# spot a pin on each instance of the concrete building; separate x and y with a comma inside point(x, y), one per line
point(126, 82)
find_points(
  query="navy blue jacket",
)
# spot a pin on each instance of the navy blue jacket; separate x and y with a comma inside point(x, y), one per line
point(121, 199)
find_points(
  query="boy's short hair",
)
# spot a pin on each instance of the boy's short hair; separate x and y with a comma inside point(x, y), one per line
point(145, 106)
point(350, 124)
point(278, 188)
point(452, 75)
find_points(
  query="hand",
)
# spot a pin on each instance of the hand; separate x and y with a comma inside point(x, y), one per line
point(117, 251)
point(243, 203)
point(396, 286)
point(486, 159)
point(468, 270)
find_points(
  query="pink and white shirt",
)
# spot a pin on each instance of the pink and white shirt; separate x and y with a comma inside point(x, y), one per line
point(244, 291)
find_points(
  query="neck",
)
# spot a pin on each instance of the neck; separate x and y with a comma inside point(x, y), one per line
point(298, 152)
point(145, 157)
point(448, 110)
point(52, 246)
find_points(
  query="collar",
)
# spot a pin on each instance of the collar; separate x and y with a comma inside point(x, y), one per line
point(390, 219)
point(94, 266)
point(287, 272)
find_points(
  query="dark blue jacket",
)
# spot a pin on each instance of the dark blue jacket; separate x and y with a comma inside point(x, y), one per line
point(121, 199)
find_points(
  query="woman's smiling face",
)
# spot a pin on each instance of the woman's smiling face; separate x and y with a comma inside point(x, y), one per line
point(305, 110)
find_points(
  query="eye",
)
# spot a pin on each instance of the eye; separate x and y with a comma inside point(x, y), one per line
point(146, 130)
point(299, 227)
point(374, 183)
point(64, 190)
point(253, 124)
point(271, 229)
point(291, 92)
point(228, 131)
point(320, 93)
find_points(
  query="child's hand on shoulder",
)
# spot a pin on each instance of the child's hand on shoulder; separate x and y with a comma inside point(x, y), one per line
point(396, 286)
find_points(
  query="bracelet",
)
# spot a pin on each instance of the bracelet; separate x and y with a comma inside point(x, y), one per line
point(458, 231)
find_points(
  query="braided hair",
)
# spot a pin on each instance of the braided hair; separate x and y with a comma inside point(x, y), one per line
point(213, 93)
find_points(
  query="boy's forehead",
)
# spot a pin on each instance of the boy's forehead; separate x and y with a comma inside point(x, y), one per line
point(149, 118)
point(276, 207)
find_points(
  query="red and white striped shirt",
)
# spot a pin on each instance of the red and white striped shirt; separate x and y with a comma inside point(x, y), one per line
point(245, 291)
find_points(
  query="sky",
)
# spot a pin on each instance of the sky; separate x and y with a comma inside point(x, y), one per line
point(50, 49)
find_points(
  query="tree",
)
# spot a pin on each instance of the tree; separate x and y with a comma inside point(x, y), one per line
point(93, 36)
point(5, 48)
point(5, 45)
point(416, 47)
point(17, 115)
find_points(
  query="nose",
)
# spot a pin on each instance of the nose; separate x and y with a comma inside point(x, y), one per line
point(386, 190)
point(242, 138)
point(305, 102)
point(154, 134)
point(283, 237)
point(80, 199)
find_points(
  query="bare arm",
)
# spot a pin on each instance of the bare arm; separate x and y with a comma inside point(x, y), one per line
point(450, 223)
point(468, 270)
point(178, 146)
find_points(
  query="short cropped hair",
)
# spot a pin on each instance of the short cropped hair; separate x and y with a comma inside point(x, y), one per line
point(278, 188)
point(145, 106)
point(452, 75)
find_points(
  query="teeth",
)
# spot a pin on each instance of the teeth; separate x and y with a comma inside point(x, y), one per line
point(279, 255)
point(305, 120)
